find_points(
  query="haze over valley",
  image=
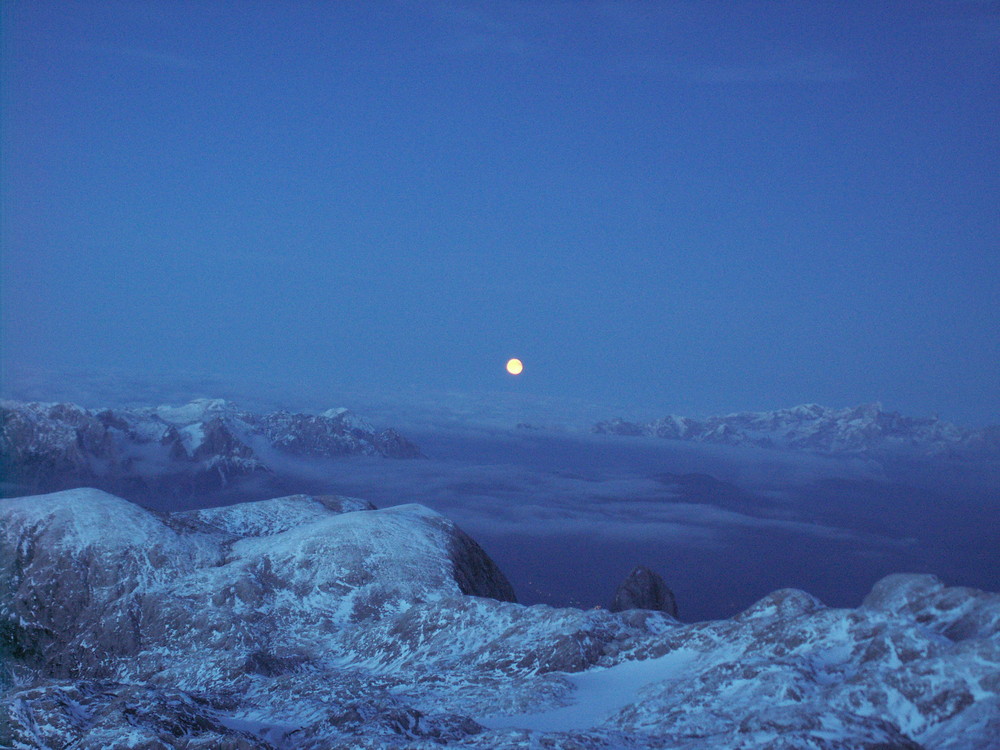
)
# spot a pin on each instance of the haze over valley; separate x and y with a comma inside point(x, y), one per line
point(533, 374)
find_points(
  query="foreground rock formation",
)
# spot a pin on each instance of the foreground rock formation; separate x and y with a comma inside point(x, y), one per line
point(318, 622)
point(644, 589)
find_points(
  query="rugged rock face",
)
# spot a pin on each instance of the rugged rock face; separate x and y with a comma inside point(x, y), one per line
point(644, 589)
point(860, 430)
point(197, 447)
point(317, 622)
point(335, 432)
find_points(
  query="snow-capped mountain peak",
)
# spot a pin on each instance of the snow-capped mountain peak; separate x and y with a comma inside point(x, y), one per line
point(199, 410)
point(864, 429)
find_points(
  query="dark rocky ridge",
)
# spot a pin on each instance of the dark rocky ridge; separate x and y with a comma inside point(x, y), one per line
point(474, 572)
point(644, 589)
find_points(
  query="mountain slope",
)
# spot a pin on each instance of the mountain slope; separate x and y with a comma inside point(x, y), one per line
point(308, 622)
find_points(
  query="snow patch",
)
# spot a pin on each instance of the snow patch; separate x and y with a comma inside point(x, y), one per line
point(598, 694)
point(197, 411)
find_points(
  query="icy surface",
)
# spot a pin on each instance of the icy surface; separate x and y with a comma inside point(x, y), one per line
point(315, 622)
point(196, 411)
point(267, 517)
point(599, 693)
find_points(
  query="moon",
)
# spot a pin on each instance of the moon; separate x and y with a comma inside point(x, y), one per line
point(514, 366)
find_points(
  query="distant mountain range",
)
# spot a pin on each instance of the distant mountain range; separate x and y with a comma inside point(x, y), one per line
point(200, 446)
point(865, 429)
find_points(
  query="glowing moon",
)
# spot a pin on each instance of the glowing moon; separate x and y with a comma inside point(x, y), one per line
point(514, 366)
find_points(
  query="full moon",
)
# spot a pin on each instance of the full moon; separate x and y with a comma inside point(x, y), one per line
point(514, 366)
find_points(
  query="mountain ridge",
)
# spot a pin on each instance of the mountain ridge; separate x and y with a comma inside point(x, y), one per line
point(862, 430)
point(304, 622)
point(201, 446)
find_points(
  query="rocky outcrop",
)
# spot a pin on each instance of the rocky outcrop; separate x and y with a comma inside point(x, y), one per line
point(199, 447)
point(474, 571)
point(316, 622)
point(335, 432)
point(93, 576)
point(644, 589)
point(862, 430)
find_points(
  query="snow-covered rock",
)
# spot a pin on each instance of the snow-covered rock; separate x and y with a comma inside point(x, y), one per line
point(202, 445)
point(860, 430)
point(318, 622)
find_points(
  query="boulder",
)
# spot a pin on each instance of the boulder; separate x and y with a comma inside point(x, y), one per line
point(644, 589)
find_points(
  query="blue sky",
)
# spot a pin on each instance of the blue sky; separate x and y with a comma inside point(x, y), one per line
point(692, 207)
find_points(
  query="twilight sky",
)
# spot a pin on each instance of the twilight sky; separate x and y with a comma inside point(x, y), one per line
point(692, 207)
